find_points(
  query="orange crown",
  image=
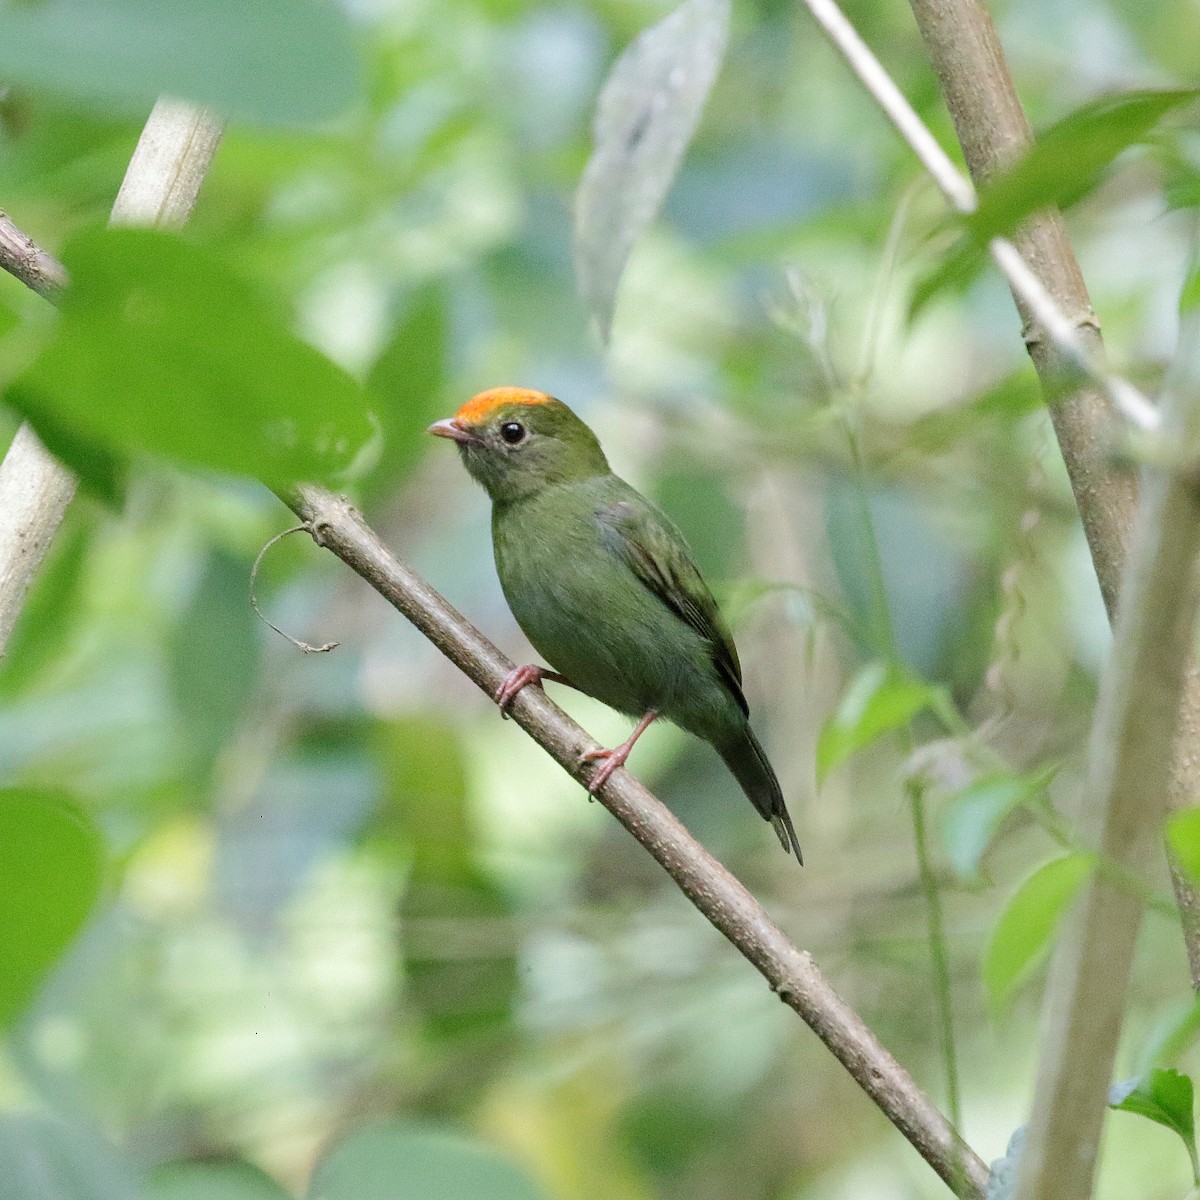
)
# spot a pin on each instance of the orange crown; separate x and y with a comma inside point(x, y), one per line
point(477, 410)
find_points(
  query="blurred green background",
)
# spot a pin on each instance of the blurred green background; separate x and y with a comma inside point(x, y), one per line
point(346, 916)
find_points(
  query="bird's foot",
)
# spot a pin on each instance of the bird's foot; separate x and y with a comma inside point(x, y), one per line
point(610, 760)
point(522, 677)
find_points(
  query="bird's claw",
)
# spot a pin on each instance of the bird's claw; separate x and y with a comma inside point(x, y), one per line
point(610, 761)
point(513, 682)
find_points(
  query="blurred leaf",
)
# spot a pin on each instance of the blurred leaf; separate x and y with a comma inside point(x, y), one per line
point(1066, 161)
point(43, 1158)
point(162, 348)
point(213, 658)
point(212, 1181)
point(971, 819)
point(459, 946)
point(1022, 937)
point(391, 1161)
point(1002, 1177)
point(51, 860)
point(51, 610)
point(1183, 836)
point(287, 62)
point(880, 699)
point(408, 379)
point(1165, 1097)
point(1173, 1033)
point(646, 115)
point(1059, 169)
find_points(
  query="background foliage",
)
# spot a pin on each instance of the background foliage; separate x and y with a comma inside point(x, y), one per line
point(340, 931)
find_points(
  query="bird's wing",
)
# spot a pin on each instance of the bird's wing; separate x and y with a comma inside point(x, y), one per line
point(659, 556)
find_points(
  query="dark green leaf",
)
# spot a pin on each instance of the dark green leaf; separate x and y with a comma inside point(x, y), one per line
point(51, 861)
point(646, 115)
point(391, 1160)
point(162, 348)
point(213, 658)
point(408, 380)
point(879, 700)
point(284, 62)
point(1022, 937)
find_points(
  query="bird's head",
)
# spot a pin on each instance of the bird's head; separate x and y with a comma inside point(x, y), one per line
point(516, 441)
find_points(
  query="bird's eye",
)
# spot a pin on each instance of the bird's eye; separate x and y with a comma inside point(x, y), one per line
point(512, 432)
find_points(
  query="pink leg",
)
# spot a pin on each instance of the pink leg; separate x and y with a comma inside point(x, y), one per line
point(610, 760)
point(522, 677)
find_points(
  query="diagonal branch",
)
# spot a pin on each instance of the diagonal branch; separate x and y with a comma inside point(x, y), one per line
point(724, 901)
point(160, 187)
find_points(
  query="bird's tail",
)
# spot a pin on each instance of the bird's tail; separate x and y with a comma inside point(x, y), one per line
point(748, 761)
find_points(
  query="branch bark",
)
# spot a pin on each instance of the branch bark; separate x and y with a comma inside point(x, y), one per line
point(160, 186)
point(1128, 771)
point(791, 973)
point(969, 61)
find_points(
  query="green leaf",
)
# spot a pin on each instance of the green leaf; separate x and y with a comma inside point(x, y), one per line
point(51, 860)
point(213, 658)
point(1063, 165)
point(471, 990)
point(212, 1181)
point(287, 62)
point(646, 115)
point(1183, 836)
point(44, 1158)
point(407, 382)
point(1066, 161)
point(879, 700)
point(392, 1160)
point(51, 611)
point(1022, 937)
point(1162, 1096)
point(971, 819)
point(162, 348)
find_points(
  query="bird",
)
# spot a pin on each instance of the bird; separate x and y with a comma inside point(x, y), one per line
point(605, 587)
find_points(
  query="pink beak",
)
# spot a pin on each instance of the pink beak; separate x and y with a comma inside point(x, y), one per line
point(450, 428)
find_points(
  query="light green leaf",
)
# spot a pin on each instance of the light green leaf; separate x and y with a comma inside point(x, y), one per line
point(972, 817)
point(51, 860)
point(1183, 836)
point(212, 1181)
point(1162, 1096)
point(393, 1160)
point(287, 62)
point(646, 115)
point(162, 348)
point(879, 700)
point(1022, 937)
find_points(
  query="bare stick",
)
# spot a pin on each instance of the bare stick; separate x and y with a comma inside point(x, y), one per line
point(305, 646)
point(160, 186)
point(791, 973)
point(1128, 772)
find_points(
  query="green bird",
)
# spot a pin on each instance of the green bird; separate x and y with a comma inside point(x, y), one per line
point(604, 586)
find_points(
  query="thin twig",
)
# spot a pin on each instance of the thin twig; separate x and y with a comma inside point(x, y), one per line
point(958, 190)
point(160, 186)
point(791, 973)
point(305, 646)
